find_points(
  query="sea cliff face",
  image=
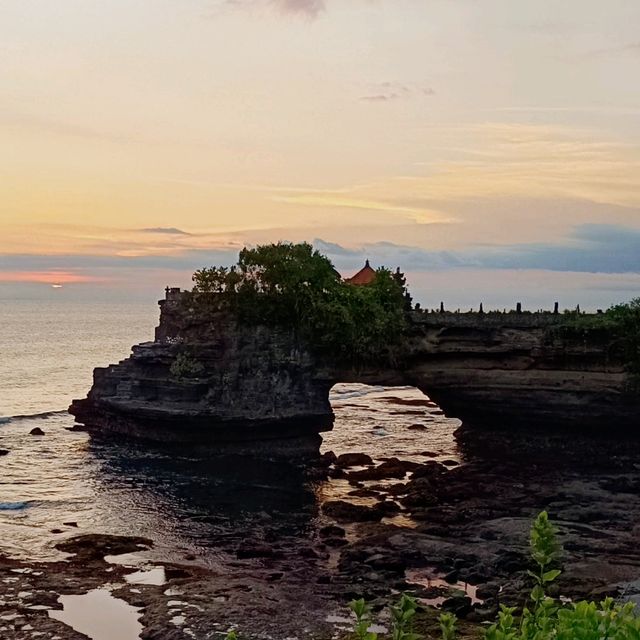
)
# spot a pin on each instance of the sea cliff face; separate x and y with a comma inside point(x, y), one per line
point(255, 388)
point(253, 384)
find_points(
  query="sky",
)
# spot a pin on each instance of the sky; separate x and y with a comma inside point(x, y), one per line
point(490, 148)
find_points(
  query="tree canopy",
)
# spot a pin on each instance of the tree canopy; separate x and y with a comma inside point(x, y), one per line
point(294, 285)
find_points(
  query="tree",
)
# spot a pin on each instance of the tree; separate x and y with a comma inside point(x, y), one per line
point(293, 285)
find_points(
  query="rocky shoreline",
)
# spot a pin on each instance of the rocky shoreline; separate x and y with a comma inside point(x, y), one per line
point(455, 535)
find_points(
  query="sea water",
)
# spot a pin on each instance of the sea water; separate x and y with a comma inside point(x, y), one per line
point(186, 503)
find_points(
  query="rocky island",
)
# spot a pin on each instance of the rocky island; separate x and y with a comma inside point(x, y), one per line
point(241, 382)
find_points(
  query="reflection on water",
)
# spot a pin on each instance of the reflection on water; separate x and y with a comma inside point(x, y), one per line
point(188, 504)
point(99, 616)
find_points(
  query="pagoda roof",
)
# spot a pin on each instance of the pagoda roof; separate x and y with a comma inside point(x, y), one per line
point(366, 275)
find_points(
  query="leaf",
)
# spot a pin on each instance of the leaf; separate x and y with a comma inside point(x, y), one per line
point(550, 576)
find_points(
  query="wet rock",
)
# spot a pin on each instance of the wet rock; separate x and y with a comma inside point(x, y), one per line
point(421, 493)
point(252, 549)
point(608, 591)
point(451, 577)
point(37, 431)
point(460, 605)
point(96, 546)
point(332, 531)
point(177, 572)
point(389, 508)
point(391, 562)
point(353, 460)
point(431, 469)
point(391, 468)
point(274, 577)
point(328, 458)
point(511, 562)
point(336, 542)
point(316, 473)
point(396, 489)
point(483, 614)
point(487, 591)
point(348, 512)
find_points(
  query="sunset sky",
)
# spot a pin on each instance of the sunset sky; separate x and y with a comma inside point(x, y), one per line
point(491, 148)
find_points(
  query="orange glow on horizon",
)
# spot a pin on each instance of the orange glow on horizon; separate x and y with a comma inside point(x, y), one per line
point(49, 277)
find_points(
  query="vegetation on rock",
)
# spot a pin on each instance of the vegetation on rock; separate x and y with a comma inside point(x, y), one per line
point(295, 286)
point(184, 367)
point(620, 322)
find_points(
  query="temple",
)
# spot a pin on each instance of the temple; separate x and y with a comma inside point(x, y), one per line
point(366, 275)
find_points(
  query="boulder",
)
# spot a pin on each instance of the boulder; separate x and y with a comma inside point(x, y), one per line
point(353, 460)
point(347, 512)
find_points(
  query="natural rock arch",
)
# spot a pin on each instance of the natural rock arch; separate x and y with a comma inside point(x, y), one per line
point(257, 388)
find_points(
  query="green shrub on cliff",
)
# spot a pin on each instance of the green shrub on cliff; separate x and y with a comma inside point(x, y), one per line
point(184, 367)
point(293, 285)
point(620, 326)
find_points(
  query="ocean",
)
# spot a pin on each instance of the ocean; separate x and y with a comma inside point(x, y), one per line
point(67, 482)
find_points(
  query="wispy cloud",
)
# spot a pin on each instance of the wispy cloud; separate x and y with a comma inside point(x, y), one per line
point(590, 248)
point(171, 231)
point(628, 48)
point(305, 8)
point(390, 91)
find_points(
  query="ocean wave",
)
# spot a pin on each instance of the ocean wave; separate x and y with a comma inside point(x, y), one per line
point(42, 415)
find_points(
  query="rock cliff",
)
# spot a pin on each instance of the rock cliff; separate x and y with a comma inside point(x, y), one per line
point(254, 388)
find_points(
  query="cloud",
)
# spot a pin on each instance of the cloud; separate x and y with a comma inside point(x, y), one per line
point(307, 8)
point(334, 249)
point(631, 47)
point(590, 248)
point(311, 8)
point(390, 91)
point(166, 230)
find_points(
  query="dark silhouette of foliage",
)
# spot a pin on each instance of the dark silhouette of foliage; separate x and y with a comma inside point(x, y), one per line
point(293, 285)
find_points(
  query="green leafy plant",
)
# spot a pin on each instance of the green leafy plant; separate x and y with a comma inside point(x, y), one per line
point(362, 611)
point(545, 550)
point(402, 616)
point(184, 367)
point(448, 623)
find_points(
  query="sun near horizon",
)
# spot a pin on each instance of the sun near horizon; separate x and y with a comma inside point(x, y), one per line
point(488, 148)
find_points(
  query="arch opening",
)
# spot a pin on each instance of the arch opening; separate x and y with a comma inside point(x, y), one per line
point(389, 421)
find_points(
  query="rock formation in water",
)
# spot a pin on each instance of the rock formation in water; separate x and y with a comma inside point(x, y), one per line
point(209, 379)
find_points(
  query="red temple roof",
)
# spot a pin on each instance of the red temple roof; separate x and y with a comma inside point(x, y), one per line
point(366, 275)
